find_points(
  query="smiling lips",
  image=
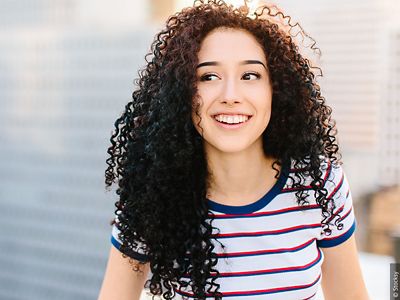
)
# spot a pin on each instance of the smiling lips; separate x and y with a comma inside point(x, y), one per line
point(231, 119)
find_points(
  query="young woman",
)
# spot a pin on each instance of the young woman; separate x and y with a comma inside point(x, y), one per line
point(229, 177)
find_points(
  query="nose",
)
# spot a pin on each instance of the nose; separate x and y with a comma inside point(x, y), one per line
point(231, 92)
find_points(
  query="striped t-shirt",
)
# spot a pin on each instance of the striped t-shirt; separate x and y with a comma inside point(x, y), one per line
point(272, 246)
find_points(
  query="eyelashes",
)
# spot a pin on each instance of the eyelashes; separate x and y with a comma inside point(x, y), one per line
point(206, 77)
point(257, 75)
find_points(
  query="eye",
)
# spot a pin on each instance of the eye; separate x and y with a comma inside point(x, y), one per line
point(207, 77)
point(249, 74)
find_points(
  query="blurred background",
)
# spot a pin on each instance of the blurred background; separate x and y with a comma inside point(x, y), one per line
point(66, 71)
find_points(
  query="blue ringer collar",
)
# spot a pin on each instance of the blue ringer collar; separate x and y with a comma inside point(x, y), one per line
point(260, 203)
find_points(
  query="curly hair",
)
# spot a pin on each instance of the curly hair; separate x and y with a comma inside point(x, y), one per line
point(157, 156)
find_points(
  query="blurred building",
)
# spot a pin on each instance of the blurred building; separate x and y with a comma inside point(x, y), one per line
point(359, 64)
point(66, 71)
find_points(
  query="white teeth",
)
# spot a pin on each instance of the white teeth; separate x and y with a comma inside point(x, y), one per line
point(231, 119)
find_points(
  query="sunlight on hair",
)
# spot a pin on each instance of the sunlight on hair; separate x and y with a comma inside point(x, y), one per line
point(252, 4)
point(236, 3)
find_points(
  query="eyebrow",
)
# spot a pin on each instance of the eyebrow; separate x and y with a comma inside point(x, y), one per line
point(244, 62)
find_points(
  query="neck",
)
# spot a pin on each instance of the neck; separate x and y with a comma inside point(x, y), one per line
point(240, 175)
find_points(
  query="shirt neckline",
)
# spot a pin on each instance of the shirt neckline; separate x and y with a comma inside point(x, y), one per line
point(258, 204)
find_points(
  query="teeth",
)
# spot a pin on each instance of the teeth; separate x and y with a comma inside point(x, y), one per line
point(231, 119)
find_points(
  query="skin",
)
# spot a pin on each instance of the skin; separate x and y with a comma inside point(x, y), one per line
point(119, 281)
point(341, 273)
point(240, 170)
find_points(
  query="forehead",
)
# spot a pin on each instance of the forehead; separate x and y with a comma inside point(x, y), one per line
point(229, 43)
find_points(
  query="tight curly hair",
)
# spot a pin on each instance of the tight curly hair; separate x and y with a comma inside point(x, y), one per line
point(157, 156)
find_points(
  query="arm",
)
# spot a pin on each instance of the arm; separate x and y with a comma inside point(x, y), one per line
point(120, 281)
point(341, 273)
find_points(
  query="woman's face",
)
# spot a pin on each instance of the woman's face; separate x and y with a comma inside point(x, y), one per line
point(234, 86)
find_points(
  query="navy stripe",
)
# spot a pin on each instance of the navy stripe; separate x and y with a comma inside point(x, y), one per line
point(268, 213)
point(129, 252)
point(337, 188)
point(273, 232)
point(115, 243)
point(283, 250)
point(310, 296)
point(252, 293)
point(272, 271)
point(309, 187)
point(336, 241)
point(259, 204)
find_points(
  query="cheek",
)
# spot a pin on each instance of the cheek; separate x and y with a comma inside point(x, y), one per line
point(208, 91)
point(263, 101)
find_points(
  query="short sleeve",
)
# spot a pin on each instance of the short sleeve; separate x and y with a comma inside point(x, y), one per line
point(339, 190)
point(136, 253)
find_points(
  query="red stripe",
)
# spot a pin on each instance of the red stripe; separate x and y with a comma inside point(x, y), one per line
point(345, 216)
point(338, 186)
point(265, 271)
point(266, 213)
point(239, 234)
point(338, 211)
point(335, 237)
point(310, 296)
point(335, 214)
point(253, 292)
point(328, 171)
point(259, 252)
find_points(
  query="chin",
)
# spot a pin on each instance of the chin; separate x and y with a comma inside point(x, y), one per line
point(230, 147)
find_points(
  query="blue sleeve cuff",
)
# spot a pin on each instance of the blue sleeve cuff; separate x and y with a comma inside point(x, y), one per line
point(339, 239)
point(129, 252)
